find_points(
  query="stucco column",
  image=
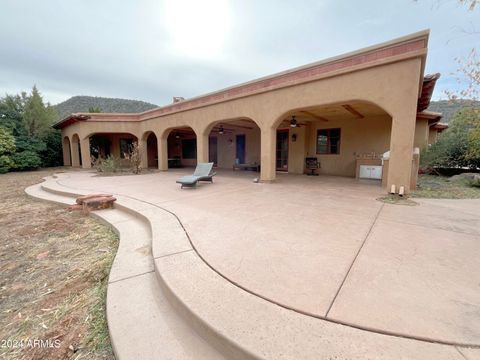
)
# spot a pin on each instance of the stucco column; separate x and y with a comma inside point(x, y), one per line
point(142, 147)
point(162, 148)
point(85, 152)
point(268, 137)
point(404, 115)
point(401, 149)
point(202, 148)
point(75, 154)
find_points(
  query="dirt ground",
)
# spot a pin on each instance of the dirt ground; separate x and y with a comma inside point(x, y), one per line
point(54, 266)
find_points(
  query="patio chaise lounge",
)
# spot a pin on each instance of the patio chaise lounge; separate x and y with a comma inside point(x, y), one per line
point(203, 172)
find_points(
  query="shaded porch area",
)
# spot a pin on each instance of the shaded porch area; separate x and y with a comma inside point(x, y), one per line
point(118, 145)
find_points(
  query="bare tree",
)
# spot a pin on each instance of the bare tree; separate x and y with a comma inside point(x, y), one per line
point(468, 72)
point(135, 157)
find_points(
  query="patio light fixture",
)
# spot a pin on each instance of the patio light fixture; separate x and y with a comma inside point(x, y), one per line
point(293, 122)
point(177, 135)
point(220, 130)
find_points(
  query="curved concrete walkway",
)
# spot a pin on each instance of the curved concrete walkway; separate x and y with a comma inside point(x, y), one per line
point(327, 249)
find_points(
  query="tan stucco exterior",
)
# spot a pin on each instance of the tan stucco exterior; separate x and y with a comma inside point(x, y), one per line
point(422, 130)
point(386, 77)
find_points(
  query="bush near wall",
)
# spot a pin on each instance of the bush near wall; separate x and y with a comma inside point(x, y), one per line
point(458, 147)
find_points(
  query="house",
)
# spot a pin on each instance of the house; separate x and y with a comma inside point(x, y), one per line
point(347, 111)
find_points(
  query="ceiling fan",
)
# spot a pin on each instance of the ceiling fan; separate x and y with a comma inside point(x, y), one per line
point(294, 123)
point(221, 130)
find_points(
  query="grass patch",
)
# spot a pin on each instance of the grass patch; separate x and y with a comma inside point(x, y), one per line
point(54, 267)
point(442, 187)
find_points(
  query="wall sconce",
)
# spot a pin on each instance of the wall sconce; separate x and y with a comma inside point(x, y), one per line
point(294, 137)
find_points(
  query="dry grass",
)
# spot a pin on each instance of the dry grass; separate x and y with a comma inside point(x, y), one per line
point(442, 187)
point(53, 273)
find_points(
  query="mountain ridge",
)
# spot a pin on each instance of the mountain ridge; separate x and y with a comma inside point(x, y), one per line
point(449, 108)
point(81, 103)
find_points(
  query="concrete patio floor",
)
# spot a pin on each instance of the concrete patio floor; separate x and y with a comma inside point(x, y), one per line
point(324, 246)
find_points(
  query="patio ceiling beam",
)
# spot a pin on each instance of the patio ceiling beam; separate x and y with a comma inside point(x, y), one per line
point(317, 117)
point(354, 112)
point(242, 127)
point(225, 130)
point(237, 126)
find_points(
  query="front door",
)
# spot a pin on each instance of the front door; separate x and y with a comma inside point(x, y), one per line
point(240, 152)
point(282, 150)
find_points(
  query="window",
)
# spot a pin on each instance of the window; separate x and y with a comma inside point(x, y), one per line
point(126, 146)
point(189, 148)
point(328, 141)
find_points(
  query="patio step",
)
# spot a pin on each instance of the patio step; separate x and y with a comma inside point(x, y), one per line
point(238, 324)
point(141, 322)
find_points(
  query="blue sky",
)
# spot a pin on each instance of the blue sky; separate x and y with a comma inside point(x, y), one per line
point(152, 50)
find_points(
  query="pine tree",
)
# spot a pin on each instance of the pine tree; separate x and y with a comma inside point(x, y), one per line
point(37, 118)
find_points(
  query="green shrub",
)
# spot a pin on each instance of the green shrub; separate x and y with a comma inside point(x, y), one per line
point(108, 165)
point(52, 155)
point(7, 148)
point(26, 160)
point(475, 182)
point(6, 164)
point(458, 146)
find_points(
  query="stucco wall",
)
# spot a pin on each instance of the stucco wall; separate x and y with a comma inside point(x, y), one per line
point(357, 136)
point(421, 134)
point(432, 135)
point(297, 150)
point(226, 145)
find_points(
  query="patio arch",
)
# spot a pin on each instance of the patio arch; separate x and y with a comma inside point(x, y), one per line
point(233, 141)
point(178, 146)
point(357, 127)
point(67, 153)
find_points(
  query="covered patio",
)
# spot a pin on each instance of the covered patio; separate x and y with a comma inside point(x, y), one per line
point(344, 111)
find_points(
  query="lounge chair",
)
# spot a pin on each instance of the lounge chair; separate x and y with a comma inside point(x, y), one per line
point(251, 166)
point(203, 172)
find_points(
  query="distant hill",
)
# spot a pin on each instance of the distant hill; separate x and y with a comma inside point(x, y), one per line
point(108, 105)
point(449, 108)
